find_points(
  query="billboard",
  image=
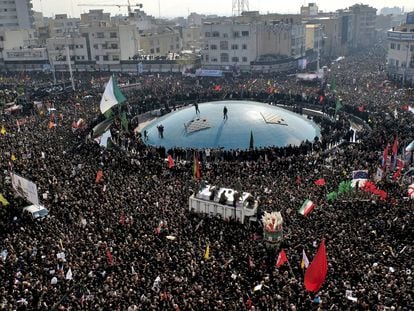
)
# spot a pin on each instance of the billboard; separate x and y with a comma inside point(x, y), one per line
point(25, 188)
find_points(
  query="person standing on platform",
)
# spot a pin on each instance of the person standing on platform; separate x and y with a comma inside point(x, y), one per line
point(196, 109)
point(225, 117)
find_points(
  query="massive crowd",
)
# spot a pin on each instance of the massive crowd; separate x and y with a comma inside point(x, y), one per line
point(107, 230)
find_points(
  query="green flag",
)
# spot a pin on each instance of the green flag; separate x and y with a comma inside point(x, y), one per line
point(112, 96)
point(332, 196)
point(124, 121)
point(333, 84)
point(338, 106)
point(345, 186)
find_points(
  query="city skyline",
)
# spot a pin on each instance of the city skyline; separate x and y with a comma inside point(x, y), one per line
point(177, 8)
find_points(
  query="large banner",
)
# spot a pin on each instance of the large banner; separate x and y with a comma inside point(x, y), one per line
point(25, 188)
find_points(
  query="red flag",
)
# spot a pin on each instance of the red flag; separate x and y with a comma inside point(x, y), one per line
point(196, 167)
point(405, 107)
point(99, 176)
point(51, 125)
point(320, 182)
point(361, 108)
point(321, 99)
point(317, 270)
point(281, 259)
point(109, 257)
point(217, 88)
point(170, 162)
point(400, 165)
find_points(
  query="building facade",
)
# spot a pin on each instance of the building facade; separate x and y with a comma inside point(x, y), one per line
point(400, 59)
point(364, 18)
point(16, 14)
point(63, 26)
point(160, 42)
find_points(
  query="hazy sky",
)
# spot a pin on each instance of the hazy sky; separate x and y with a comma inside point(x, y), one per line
point(171, 8)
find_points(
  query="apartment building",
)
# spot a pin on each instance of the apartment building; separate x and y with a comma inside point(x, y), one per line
point(364, 18)
point(16, 14)
point(160, 41)
point(109, 43)
point(63, 26)
point(400, 59)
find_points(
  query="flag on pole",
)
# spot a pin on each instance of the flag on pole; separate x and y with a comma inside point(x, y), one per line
point(320, 182)
point(13, 157)
point(196, 167)
point(251, 143)
point(385, 157)
point(3, 200)
point(207, 252)
point(170, 161)
point(394, 152)
point(305, 261)
point(400, 165)
point(3, 130)
point(281, 259)
point(306, 207)
point(99, 176)
point(112, 96)
point(331, 196)
point(316, 273)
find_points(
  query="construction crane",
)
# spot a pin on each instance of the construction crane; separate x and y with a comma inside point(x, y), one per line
point(119, 6)
point(239, 6)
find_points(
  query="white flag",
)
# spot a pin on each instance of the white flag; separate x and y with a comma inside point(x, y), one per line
point(69, 274)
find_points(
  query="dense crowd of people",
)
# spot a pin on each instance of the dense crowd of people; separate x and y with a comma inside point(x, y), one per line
point(129, 241)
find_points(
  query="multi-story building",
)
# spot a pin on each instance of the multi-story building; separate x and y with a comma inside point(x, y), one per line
point(400, 59)
point(331, 43)
point(226, 44)
point(94, 16)
point(240, 41)
point(310, 10)
point(108, 43)
point(59, 47)
point(160, 41)
point(364, 24)
point(16, 14)
point(191, 37)
point(63, 26)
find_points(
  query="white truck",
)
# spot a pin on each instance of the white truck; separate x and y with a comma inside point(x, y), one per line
point(220, 201)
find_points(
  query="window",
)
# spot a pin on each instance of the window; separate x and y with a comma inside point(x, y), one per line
point(236, 34)
point(235, 59)
point(234, 47)
point(244, 59)
point(115, 57)
point(392, 46)
point(105, 58)
point(214, 60)
point(207, 58)
point(245, 33)
point(207, 34)
point(95, 46)
point(224, 57)
point(244, 46)
point(216, 34)
point(224, 45)
point(114, 46)
point(113, 35)
point(100, 35)
point(213, 47)
point(225, 35)
point(157, 50)
point(398, 46)
point(97, 57)
point(152, 51)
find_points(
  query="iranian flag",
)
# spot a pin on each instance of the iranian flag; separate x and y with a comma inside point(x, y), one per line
point(306, 207)
point(112, 96)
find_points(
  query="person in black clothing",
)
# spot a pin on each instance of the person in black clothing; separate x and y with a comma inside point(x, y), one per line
point(196, 108)
point(160, 131)
point(225, 113)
